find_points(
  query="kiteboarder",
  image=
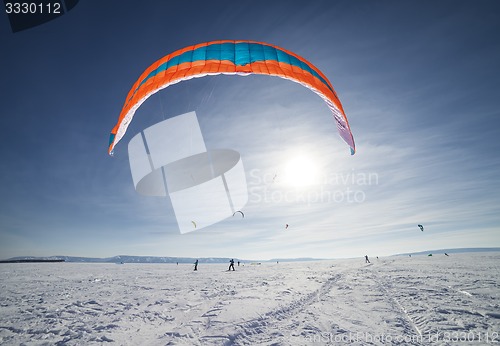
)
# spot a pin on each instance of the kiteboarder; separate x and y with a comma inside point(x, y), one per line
point(366, 259)
point(231, 264)
point(196, 265)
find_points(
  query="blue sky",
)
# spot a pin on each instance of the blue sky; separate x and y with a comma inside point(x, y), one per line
point(419, 81)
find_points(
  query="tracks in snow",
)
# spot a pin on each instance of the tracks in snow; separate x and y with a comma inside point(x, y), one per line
point(438, 305)
point(354, 304)
point(256, 331)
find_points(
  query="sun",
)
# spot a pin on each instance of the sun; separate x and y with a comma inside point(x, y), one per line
point(301, 171)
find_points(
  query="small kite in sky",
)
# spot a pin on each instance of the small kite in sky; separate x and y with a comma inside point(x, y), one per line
point(421, 227)
point(239, 211)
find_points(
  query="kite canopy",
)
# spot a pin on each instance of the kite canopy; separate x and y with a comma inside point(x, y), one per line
point(233, 58)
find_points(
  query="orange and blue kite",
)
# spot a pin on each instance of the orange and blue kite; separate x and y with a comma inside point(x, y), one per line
point(232, 58)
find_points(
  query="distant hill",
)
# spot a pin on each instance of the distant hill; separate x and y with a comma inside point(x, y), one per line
point(190, 260)
point(144, 259)
point(119, 259)
point(31, 260)
point(449, 251)
point(301, 259)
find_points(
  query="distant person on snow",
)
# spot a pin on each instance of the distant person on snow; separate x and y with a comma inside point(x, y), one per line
point(231, 264)
point(196, 265)
point(366, 259)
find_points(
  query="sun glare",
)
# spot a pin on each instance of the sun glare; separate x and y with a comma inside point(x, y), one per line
point(301, 171)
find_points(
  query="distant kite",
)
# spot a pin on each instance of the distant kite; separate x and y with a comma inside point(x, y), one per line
point(286, 226)
point(239, 211)
point(421, 227)
point(230, 58)
point(194, 224)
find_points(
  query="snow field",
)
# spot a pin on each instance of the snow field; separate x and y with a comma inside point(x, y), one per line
point(392, 301)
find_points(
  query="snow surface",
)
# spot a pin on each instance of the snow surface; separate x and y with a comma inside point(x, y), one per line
point(434, 300)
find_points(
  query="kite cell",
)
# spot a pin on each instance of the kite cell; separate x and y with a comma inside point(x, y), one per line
point(421, 227)
point(231, 58)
